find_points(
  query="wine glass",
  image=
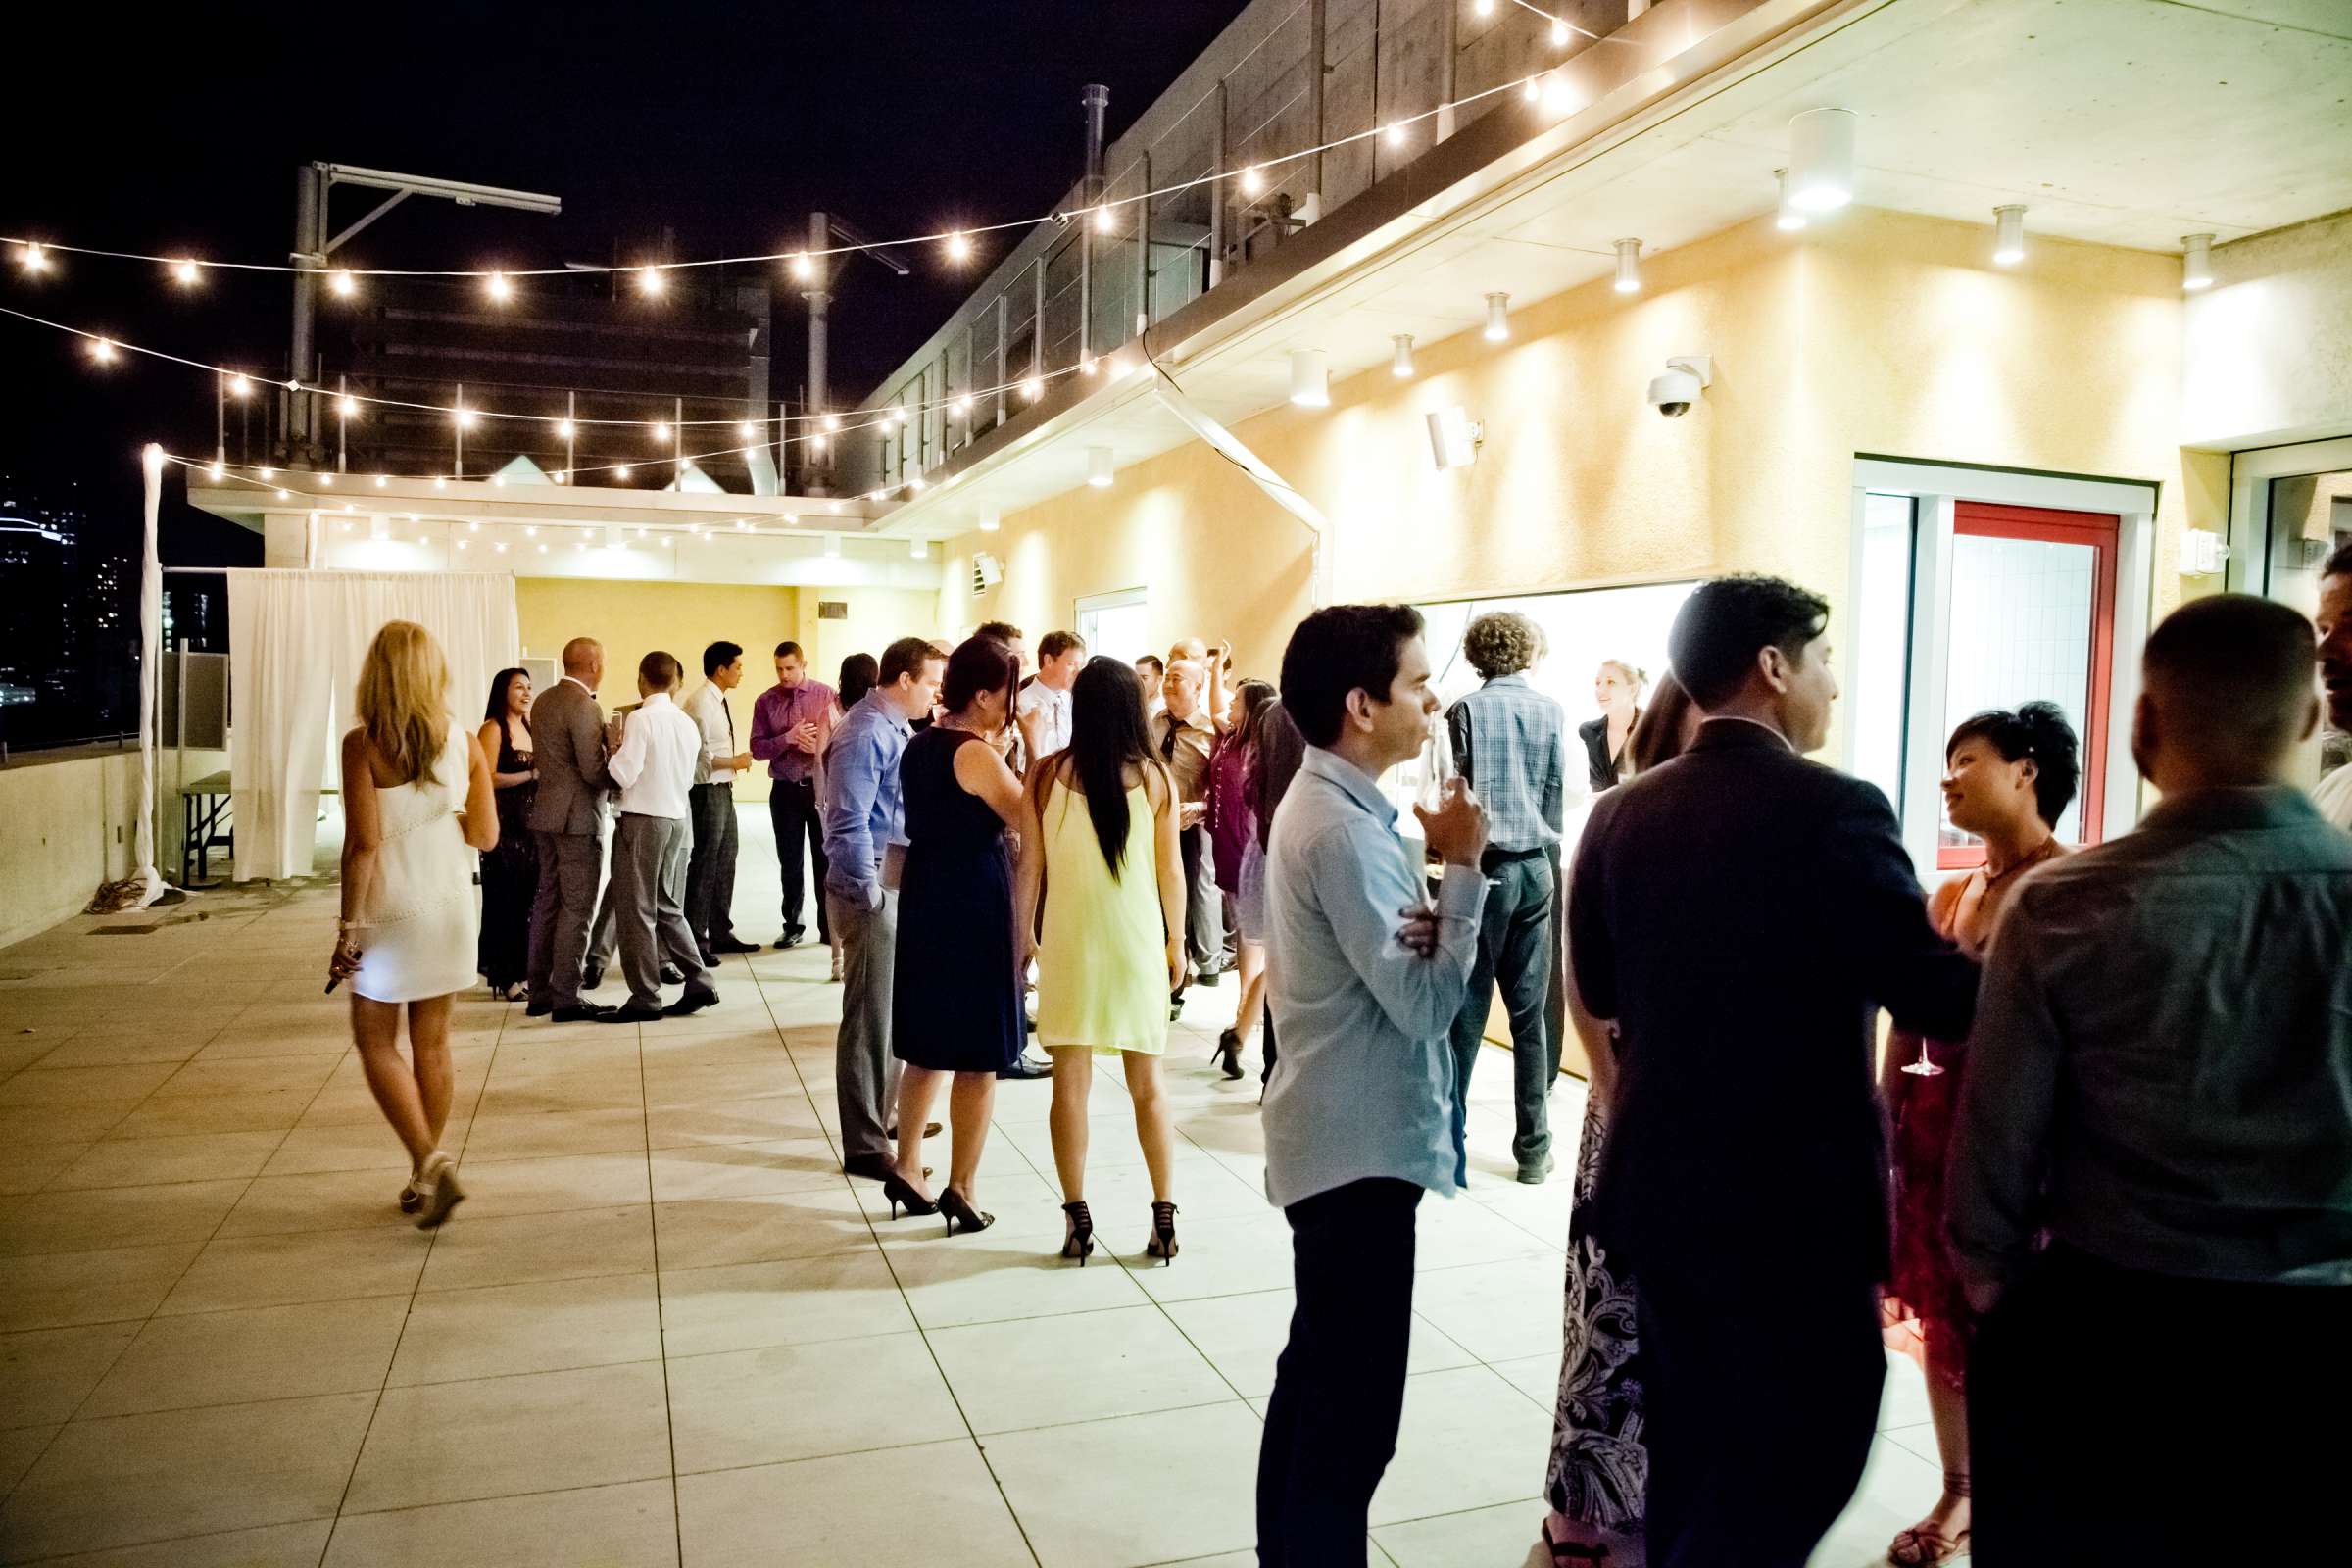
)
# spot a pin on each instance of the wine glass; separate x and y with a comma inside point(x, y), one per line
point(1922, 1067)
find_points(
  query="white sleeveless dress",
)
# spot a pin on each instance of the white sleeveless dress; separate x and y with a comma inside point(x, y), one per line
point(420, 923)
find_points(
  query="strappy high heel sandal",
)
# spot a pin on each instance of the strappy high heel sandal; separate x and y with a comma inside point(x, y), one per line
point(1228, 1053)
point(961, 1215)
point(1163, 1244)
point(899, 1190)
point(1080, 1241)
point(1922, 1546)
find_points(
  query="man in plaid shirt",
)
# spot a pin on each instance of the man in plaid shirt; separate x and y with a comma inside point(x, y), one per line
point(1509, 743)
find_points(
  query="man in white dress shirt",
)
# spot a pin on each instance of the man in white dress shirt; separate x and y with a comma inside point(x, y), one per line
point(711, 806)
point(2333, 793)
point(1044, 710)
point(655, 767)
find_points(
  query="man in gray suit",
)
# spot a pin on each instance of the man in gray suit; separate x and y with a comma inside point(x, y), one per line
point(567, 726)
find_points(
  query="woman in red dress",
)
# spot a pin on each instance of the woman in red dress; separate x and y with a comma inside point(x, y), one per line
point(2008, 779)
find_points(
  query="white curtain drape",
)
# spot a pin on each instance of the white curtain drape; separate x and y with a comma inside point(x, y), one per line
point(296, 642)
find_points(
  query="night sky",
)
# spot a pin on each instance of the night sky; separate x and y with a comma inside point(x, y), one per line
point(176, 131)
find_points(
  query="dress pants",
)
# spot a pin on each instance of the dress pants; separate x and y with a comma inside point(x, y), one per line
point(1338, 1388)
point(2117, 1416)
point(711, 868)
point(1761, 1376)
point(561, 913)
point(866, 1075)
point(1515, 946)
point(604, 937)
point(1204, 904)
point(793, 815)
point(648, 865)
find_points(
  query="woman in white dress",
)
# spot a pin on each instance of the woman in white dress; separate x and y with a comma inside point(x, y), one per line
point(418, 803)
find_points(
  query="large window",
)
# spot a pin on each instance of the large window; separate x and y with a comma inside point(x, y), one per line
point(1114, 624)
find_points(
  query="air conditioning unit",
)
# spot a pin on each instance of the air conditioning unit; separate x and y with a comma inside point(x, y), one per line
point(987, 571)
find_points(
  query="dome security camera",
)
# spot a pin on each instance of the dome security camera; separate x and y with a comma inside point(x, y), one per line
point(1686, 376)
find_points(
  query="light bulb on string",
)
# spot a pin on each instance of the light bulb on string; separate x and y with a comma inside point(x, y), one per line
point(342, 282)
point(803, 268)
point(218, 472)
point(1105, 218)
point(239, 386)
point(1558, 96)
point(463, 416)
point(185, 271)
point(282, 494)
point(347, 407)
point(33, 258)
point(1559, 34)
point(567, 429)
point(960, 247)
point(832, 422)
point(1253, 182)
point(622, 473)
point(440, 484)
point(816, 443)
point(1032, 389)
point(382, 480)
point(328, 479)
point(102, 349)
point(1533, 89)
point(963, 407)
point(267, 473)
point(499, 286)
point(898, 415)
point(1395, 135)
point(651, 284)
point(661, 430)
point(748, 431)
point(1484, 8)
point(498, 481)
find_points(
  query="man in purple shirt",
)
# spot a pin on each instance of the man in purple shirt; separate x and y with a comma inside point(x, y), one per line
point(790, 724)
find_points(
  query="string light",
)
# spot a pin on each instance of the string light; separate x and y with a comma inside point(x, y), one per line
point(1032, 389)
point(347, 407)
point(239, 388)
point(661, 430)
point(962, 407)
point(342, 282)
point(501, 288)
point(269, 473)
point(328, 479)
point(651, 284)
point(464, 418)
point(621, 472)
point(1559, 34)
point(897, 416)
point(382, 480)
point(185, 271)
point(803, 268)
point(1533, 89)
point(1395, 135)
point(960, 247)
point(34, 258)
point(102, 350)
point(567, 429)
point(1484, 8)
point(218, 472)
point(1253, 182)
point(832, 424)
point(1104, 219)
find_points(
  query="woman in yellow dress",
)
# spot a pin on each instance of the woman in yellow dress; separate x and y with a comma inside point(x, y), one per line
point(1100, 863)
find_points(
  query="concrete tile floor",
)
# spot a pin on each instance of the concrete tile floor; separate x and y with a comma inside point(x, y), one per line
point(664, 1328)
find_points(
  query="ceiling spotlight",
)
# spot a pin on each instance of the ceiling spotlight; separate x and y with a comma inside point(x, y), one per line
point(651, 284)
point(347, 407)
point(1820, 158)
point(990, 523)
point(342, 282)
point(187, 272)
point(567, 429)
point(501, 288)
point(1629, 266)
point(1790, 217)
point(1253, 182)
point(803, 268)
point(1400, 365)
point(622, 473)
point(239, 388)
point(1498, 317)
point(102, 349)
point(2009, 234)
point(919, 549)
point(1310, 378)
point(960, 247)
point(33, 258)
point(1105, 218)
point(661, 430)
point(1098, 467)
point(2196, 262)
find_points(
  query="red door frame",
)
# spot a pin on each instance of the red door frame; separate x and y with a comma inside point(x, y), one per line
point(2100, 531)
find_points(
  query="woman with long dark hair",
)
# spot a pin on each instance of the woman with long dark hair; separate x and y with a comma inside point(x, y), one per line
point(2008, 778)
point(955, 1004)
point(1099, 846)
point(510, 873)
point(1241, 864)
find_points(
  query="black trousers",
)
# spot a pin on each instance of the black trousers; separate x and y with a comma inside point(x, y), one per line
point(2117, 1416)
point(1338, 1388)
point(792, 814)
point(711, 868)
point(1761, 1380)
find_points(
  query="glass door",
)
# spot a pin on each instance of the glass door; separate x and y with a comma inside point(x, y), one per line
point(2291, 509)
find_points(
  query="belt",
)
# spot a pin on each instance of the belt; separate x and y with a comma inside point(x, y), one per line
point(1495, 857)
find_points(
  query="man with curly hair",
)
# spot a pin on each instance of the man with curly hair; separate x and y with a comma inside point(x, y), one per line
point(1509, 742)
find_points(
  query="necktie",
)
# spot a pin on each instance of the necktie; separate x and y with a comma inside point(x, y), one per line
point(1167, 745)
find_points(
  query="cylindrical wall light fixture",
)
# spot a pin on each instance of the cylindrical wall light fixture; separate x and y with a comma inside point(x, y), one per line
point(1498, 317)
point(1310, 379)
point(1400, 364)
point(1629, 266)
point(2009, 234)
point(1098, 467)
point(1820, 158)
point(2196, 262)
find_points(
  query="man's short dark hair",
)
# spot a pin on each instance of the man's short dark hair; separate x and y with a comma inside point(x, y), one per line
point(1058, 642)
point(719, 655)
point(2236, 670)
point(790, 650)
point(1338, 649)
point(1159, 669)
point(1003, 631)
point(1727, 621)
point(660, 670)
point(908, 657)
point(2339, 562)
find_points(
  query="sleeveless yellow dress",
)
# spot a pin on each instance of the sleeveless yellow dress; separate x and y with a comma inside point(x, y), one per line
point(1101, 970)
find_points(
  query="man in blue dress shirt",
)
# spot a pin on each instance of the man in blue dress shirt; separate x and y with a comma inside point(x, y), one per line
point(864, 814)
point(1360, 1115)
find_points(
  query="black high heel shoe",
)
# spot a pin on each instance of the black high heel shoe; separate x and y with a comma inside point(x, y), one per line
point(1228, 1053)
point(1080, 1243)
point(960, 1214)
point(1163, 1244)
point(899, 1190)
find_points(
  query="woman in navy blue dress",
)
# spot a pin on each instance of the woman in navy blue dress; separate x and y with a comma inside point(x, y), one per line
point(955, 999)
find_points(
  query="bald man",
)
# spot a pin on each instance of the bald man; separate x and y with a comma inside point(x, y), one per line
point(2160, 1084)
point(567, 814)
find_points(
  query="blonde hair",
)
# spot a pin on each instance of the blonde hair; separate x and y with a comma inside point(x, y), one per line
point(404, 698)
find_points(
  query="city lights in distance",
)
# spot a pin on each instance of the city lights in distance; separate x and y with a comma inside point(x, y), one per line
point(185, 271)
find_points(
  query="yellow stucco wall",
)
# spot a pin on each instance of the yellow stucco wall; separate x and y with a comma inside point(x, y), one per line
point(1878, 334)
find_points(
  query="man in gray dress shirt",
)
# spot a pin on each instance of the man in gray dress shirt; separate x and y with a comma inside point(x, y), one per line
point(2160, 1084)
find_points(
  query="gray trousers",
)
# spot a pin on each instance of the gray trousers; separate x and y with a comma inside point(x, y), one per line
point(710, 871)
point(604, 937)
point(561, 913)
point(649, 867)
point(1203, 903)
point(1514, 948)
point(866, 1075)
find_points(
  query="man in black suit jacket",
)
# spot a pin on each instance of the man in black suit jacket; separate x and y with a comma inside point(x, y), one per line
point(1742, 915)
